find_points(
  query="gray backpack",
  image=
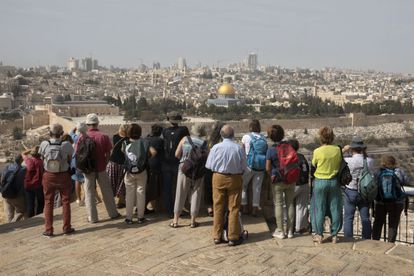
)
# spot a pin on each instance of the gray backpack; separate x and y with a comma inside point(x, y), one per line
point(53, 157)
point(367, 186)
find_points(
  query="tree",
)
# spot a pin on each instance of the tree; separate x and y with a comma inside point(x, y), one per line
point(17, 133)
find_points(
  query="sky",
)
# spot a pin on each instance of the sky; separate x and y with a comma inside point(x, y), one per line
point(354, 34)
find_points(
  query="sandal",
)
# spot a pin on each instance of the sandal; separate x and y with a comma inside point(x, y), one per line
point(317, 239)
point(194, 224)
point(173, 225)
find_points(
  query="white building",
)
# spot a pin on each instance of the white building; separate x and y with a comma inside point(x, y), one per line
point(73, 64)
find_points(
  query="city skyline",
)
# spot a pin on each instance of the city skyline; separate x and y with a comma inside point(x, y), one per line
point(370, 35)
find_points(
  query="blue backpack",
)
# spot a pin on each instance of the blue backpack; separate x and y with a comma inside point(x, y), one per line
point(389, 186)
point(256, 158)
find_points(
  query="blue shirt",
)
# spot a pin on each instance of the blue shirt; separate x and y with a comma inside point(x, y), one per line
point(227, 157)
point(271, 155)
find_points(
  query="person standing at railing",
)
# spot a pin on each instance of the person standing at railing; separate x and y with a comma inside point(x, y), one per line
point(352, 200)
point(390, 199)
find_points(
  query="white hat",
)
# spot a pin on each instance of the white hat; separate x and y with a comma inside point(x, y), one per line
point(92, 119)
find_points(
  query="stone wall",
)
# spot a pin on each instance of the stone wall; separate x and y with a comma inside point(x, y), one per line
point(36, 119)
point(7, 125)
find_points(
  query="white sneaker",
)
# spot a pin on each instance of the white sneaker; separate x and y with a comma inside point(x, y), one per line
point(290, 235)
point(278, 234)
point(80, 202)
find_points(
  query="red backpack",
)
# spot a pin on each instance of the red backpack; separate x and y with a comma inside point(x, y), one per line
point(288, 163)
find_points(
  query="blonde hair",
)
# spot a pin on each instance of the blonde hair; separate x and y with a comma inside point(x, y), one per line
point(123, 130)
point(326, 135)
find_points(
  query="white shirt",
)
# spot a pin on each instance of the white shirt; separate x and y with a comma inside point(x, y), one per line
point(246, 140)
point(356, 164)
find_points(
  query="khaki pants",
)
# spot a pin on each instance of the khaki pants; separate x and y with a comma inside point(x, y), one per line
point(107, 195)
point(288, 190)
point(186, 186)
point(15, 208)
point(226, 189)
point(135, 185)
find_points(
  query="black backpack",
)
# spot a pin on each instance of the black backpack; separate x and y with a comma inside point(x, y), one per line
point(172, 137)
point(8, 187)
point(304, 170)
point(85, 155)
point(194, 165)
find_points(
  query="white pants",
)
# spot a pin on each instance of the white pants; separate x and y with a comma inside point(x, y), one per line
point(185, 188)
point(301, 200)
point(257, 178)
point(107, 195)
point(135, 185)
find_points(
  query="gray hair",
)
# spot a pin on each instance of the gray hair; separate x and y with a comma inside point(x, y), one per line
point(227, 132)
point(56, 130)
point(198, 130)
point(81, 127)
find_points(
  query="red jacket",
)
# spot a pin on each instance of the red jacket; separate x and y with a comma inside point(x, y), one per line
point(34, 173)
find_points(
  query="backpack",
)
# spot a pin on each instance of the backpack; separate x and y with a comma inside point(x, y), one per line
point(304, 170)
point(367, 187)
point(53, 157)
point(172, 137)
point(389, 186)
point(194, 165)
point(85, 155)
point(8, 189)
point(289, 170)
point(256, 158)
point(135, 163)
point(244, 234)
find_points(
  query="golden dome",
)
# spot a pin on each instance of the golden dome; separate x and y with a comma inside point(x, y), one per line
point(226, 89)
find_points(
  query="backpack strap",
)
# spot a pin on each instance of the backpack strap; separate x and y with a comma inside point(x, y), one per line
point(190, 141)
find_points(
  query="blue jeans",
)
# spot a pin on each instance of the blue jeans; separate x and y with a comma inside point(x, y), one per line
point(351, 202)
point(169, 181)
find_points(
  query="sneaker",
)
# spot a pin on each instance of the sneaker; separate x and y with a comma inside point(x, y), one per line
point(70, 231)
point(235, 242)
point(128, 221)
point(290, 234)
point(334, 239)
point(80, 202)
point(278, 234)
point(141, 220)
point(47, 234)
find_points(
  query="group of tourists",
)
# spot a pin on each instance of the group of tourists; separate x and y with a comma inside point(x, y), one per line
point(176, 169)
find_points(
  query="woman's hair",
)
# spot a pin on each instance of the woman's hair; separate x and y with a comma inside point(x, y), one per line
point(35, 152)
point(326, 135)
point(276, 133)
point(134, 131)
point(66, 137)
point(198, 130)
point(123, 130)
point(81, 127)
point(388, 161)
point(215, 136)
point(294, 143)
point(156, 130)
point(254, 126)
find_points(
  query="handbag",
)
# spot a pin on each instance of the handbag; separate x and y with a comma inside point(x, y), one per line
point(344, 174)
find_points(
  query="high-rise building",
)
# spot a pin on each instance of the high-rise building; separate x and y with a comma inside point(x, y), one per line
point(181, 64)
point(156, 65)
point(87, 64)
point(251, 61)
point(73, 64)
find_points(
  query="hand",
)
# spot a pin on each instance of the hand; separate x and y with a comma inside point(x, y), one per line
point(346, 148)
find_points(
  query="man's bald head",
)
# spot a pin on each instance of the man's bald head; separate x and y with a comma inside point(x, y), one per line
point(227, 132)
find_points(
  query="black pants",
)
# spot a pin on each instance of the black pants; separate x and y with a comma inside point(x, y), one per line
point(393, 209)
point(33, 196)
point(208, 189)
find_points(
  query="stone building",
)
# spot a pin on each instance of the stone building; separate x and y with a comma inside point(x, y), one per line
point(226, 96)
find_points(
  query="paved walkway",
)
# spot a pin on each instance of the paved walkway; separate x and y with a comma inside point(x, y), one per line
point(110, 247)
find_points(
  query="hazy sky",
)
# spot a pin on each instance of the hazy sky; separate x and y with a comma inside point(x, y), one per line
point(359, 34)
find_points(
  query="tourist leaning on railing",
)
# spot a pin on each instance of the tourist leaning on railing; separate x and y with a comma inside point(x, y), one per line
point(351, 198)
point(326, 194)
point(390, 199)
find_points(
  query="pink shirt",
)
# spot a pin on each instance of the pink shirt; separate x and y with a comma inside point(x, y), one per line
point(103, 148)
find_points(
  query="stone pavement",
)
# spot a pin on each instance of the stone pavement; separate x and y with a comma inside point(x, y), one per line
point(112, 248)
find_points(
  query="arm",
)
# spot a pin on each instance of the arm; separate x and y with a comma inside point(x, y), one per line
point(179, 150)
point(210, 159)
point(152, 151)
point(269, 166)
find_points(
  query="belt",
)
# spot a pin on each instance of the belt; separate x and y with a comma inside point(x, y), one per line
point(228, 173)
